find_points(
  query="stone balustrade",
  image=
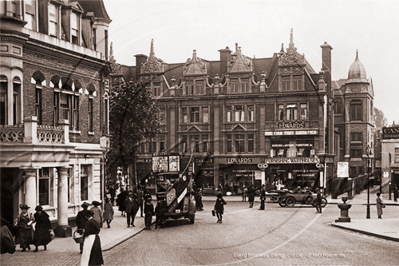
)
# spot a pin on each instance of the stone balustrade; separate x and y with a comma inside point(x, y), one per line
point(50, 134)
point(12, 134)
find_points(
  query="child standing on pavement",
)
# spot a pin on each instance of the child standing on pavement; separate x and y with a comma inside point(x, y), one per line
point(219, 208)
point(148, 212)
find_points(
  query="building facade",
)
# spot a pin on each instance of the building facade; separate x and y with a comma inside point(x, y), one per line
point(246, 120)
point(54, 105)
point(390, 157)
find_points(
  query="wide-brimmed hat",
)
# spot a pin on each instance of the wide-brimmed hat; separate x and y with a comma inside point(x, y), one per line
point(38, 208)
point(96, 203)
point(85, 204)
point(24, 207)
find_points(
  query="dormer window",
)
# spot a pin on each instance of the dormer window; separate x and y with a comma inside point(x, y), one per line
point(297, 80)
point(53, 20)
point(244, 85)
point(30, 14)
point(75, 28)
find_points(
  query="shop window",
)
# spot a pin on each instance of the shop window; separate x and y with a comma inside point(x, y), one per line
point(205, 115)
point(84, 182)
point(292, 112)
point(238, 113)
point(229, 143)
point(281, 112)
point(3, 100)
point(356, 111)
point(185, 117)
point(304, 111)
point(396, 155)
point(194, 114)
point(229, 118)
point(244, 85)
point(297, 80)
point(53, 20)
point(205, 143)
point(250, 142)
point(286, 83)
point(250, 113)
point(239, 142)
point(44, 186)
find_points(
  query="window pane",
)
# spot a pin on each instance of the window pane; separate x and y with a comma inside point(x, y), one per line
point(205, 116)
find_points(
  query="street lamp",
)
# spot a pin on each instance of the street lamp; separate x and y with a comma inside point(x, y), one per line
point(368, 152)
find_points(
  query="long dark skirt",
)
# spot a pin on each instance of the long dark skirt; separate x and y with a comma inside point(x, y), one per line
point(148, 219)
point(25, 237)
point(92, 253)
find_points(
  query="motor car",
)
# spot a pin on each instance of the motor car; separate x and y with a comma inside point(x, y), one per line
point(288, 198)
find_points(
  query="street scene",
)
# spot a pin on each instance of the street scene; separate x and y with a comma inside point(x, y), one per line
point(266, 135)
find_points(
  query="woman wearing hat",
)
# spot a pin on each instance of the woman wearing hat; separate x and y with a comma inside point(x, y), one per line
point(98, 213)
point(42, 230)
point(24, 224)
point(81, 220)
point(92, 253)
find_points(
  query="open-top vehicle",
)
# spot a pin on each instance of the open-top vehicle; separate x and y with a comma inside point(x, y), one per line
point(288, 198)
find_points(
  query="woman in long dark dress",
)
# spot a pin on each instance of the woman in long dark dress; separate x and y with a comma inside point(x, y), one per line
point(219, 208)
point(24, 224)
point(42, 231)
point(92, 253)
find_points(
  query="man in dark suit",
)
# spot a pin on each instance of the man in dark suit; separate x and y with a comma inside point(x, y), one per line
point(131, 208)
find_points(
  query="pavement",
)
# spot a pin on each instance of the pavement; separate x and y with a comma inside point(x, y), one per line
point(66, 248)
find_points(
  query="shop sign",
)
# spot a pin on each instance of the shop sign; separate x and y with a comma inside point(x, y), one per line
point(174, 163)
point(143, 160)
point(390, 132)
point(160, 164)
point(239, 160)
point(204, 160)
point(291, 132)
point(291, 124)
point(291, 160)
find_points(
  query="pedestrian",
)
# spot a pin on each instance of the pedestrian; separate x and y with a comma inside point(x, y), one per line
point(148, 212)
point(81, 221)
point(380, 205)
point(24, 226)
point(7, 240)
point(146, 193)
point(198, 201)
point(131, 208)
point(120, 201)
point(112, 192)
point(219, 208)
point(92, 253)
point(140, 200)
point(108, 214)
point(251, 195)
point(159, 214)
point(319, 199)
point(42, 228)
point(98, 213)
point(262, 197)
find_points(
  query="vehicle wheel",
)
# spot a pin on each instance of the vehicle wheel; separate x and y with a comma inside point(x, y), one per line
point(281, 202)
point(323, 202)
point(290, 201)
point(192, 218)
point(308, 199)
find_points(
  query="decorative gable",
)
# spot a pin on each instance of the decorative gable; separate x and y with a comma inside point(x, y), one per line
point(194, 66)
point(240, 63)
point(291, 56)
point(194, 129)
point(153, 64)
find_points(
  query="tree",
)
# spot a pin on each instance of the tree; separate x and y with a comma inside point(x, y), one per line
point(133, 118)
point(379, 118)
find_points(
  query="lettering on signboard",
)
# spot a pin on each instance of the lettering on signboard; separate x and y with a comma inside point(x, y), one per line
point(291, 160)
point(239, 160)
point(291, 125)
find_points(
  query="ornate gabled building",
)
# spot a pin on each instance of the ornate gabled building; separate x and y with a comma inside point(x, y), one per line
point(54, 85)
point(246, 120)
point(354, 120)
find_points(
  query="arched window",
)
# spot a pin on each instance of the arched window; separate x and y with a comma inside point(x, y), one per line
point(356, 111)
point(3, 100)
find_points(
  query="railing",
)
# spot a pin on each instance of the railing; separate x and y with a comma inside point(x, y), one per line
point(50, 134)
point(12, 134)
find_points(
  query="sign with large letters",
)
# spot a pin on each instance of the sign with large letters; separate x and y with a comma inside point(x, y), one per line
point(292, 160)
point(390, 132)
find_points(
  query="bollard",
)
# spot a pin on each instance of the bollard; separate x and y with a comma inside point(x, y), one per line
point(344, 211)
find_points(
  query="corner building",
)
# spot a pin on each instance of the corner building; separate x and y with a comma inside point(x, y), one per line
point(54, 105)
point(246, 120)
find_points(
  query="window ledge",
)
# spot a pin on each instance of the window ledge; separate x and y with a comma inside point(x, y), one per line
point(91, 133)
point(75, 132)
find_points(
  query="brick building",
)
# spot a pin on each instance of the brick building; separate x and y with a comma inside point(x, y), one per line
point(54, 105)
point(239, 113)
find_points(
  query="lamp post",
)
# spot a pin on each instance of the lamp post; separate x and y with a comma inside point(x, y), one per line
point(368, 152)
point(104, 144)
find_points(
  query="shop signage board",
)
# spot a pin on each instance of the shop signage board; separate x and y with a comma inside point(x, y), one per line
point(291, 132)
point(343, 169)
point(174, 163)
point(291, 160)
point(390, 132)
point(160, 164)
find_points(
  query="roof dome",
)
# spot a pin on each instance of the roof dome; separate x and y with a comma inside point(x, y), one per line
point(357, 73)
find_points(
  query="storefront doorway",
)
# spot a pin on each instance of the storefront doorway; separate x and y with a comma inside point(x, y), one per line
point(9, 185)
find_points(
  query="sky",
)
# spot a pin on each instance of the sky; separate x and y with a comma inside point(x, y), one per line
point(260, 27)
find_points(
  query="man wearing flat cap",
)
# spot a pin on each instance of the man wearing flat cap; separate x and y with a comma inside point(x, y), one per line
point(81, 220)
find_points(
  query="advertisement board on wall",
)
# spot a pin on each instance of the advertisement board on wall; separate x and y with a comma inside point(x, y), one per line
point(160, 164)
point(343, 169)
